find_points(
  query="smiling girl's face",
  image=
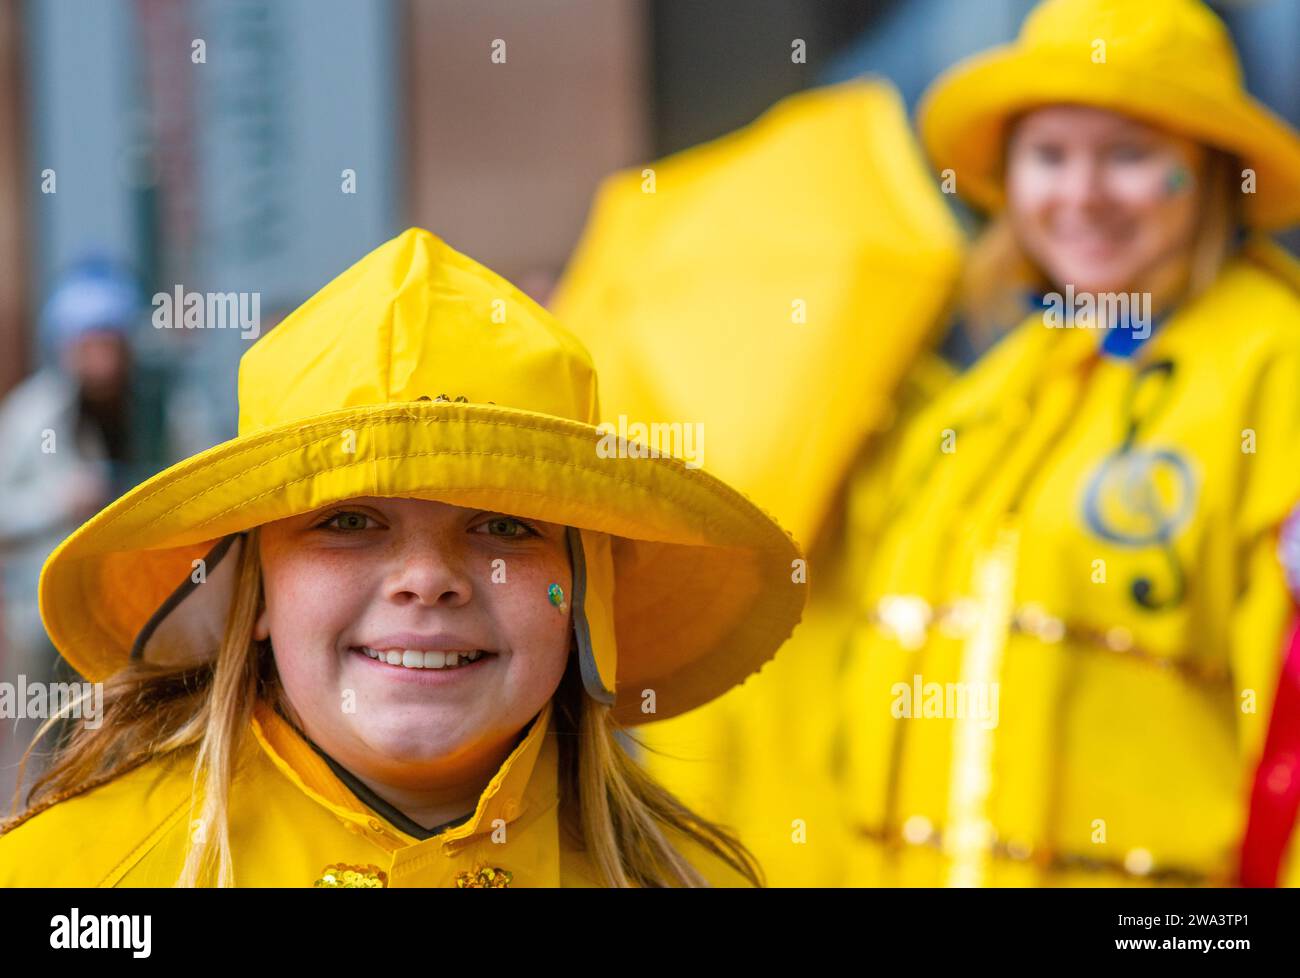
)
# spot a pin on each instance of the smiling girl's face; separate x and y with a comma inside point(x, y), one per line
point(414, 581)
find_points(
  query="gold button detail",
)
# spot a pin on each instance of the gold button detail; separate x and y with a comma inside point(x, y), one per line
point(484, 877)
point(343, 875)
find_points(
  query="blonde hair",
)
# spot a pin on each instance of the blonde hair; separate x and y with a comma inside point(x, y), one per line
point(997, 271)
point(609, 806)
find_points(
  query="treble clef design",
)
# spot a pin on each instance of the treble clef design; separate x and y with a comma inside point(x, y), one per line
point(1140, 497)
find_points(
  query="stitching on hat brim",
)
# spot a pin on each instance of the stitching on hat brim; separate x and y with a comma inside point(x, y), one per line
point(714, 486)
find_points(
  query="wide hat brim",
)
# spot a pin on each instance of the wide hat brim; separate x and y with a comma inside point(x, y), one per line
point(963, 121)
point(703, 593)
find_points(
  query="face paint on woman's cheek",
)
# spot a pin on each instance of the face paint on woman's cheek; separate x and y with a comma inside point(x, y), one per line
point(1177, 180)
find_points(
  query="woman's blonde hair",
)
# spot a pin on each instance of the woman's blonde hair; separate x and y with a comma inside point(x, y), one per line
point(609, 806)
point(998, 273)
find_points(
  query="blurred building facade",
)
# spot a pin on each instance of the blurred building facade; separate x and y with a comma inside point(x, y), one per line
point(13, 231)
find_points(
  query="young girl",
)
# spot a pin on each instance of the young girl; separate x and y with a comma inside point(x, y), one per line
point(389, 635)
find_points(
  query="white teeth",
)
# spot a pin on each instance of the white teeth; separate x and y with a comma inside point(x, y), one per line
point(415, 659)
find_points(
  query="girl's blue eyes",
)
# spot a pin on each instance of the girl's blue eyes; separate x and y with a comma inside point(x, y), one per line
point(504, 526)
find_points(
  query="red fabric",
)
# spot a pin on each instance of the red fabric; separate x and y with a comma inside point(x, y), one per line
point(1275, 799)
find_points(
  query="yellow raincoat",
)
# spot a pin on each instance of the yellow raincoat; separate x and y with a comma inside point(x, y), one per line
point(293, 822)
point(1088, 544)
point(1062, 622)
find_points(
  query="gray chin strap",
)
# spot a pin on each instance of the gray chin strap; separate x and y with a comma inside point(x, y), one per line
point(581, 629)
point(188, 627)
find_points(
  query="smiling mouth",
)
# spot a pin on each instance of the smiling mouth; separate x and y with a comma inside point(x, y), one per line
point(417, 659)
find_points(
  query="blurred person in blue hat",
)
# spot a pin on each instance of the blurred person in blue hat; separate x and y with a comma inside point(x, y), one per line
point(82, 429)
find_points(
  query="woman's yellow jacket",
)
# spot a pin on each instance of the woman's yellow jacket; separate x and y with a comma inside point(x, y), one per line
point(294, 823)
point(1046, 651)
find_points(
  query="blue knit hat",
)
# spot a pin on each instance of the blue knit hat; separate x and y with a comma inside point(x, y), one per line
point(96, 293)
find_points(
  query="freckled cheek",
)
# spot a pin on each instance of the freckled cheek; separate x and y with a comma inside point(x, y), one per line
point(523, 610)
point(310, 602)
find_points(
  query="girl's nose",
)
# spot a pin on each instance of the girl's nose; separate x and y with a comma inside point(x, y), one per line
point(431, 574)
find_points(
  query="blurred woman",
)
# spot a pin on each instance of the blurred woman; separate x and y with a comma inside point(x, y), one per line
point(1072, 603)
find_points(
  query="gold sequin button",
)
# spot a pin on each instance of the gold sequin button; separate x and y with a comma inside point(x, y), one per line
point(485, 877)
point(359, 877)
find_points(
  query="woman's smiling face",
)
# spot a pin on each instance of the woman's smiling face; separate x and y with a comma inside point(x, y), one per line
point(423, 579)
point(1101, 201)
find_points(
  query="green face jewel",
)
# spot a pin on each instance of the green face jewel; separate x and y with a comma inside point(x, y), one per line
point(556, 594)
point(1176, 180)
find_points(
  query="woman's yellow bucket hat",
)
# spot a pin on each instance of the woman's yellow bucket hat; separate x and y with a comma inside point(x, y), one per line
point(1168, 62)
point(420, 373)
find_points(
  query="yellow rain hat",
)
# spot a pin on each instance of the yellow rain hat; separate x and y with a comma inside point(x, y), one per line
point(1167, 62)
point(419, 373)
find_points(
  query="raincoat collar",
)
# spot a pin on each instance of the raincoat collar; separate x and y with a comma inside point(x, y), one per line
point(506, 796)
point(1120, 341)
